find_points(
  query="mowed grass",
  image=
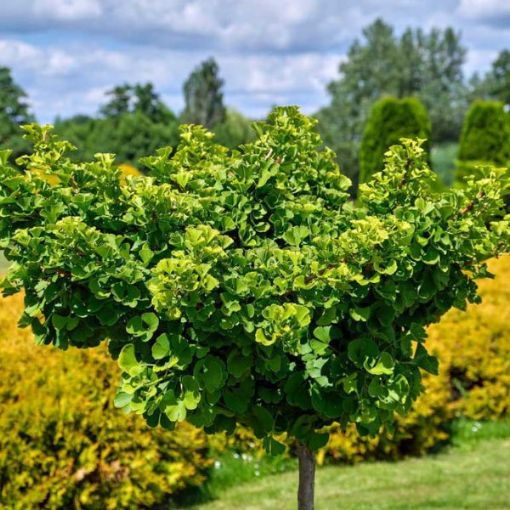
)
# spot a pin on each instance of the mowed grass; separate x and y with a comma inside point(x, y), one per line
point(472, 476)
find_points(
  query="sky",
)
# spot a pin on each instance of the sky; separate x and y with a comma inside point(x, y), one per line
point(67, 53)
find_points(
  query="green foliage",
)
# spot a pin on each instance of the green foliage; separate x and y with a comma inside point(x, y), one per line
point(425, 65)
point(473, 349)
point(203, 96)
point(443, 161)
point(390, 120)
point(134, 123)
point(485, 137)
point(496, 82)
point(244, 287)
point(14, 111)
point(235, 130)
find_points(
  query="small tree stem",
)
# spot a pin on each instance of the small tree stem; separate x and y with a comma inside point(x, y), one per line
point(306, 477)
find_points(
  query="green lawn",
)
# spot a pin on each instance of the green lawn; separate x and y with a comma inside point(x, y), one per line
point(475, 475)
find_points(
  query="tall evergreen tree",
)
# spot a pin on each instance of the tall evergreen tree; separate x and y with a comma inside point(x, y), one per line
point(391, 120)
point(119, 103)
point(499, 78)
point(14, 111)
point(425, 65)
point(485, 138)
point(203, 96)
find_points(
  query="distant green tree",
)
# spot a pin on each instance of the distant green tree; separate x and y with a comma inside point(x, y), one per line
point(235, 130)
point(495, 84)
point(134, 123)
point(501, 73)
point(81, 131)
point(136, 135)
point(485, 137)
point(478, 87)
point(137, 98)
point(390, 120)
point(148, 103)
point(425, 65)
point(203, 96)
point(442, 89)
point(499, 78)
point(368, 72)
point(119, 103)
point(14, 111)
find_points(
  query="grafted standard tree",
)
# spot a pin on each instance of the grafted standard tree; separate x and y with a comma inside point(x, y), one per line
point(244, 286)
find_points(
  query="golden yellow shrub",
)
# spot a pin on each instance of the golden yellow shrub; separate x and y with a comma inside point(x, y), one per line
point(63, 445)
point(129, 170)
point(474, 349)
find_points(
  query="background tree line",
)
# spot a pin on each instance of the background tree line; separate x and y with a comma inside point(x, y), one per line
point(428, 65)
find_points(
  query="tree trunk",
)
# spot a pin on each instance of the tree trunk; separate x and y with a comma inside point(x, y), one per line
point(306, 477)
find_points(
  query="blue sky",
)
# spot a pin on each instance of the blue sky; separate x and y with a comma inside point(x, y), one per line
point(67, 53)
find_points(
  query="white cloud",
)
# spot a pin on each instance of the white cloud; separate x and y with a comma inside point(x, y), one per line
point(68, 10)
point(207, 24)
point(483, 8)
point(66, 53)
point(495, 13)
point(18, 53)
point(69, 80)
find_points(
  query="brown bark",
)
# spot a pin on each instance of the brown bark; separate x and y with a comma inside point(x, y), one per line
point(306, 477)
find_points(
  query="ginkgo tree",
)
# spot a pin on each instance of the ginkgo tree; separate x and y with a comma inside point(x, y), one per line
point(245, 287)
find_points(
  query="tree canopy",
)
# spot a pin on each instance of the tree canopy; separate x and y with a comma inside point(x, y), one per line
point(203, 96)
point(425, 65)
point(134, 122)
point(14, 111)
point(243, 287)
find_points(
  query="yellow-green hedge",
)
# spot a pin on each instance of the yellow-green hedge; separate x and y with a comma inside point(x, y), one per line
point(63, 445)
